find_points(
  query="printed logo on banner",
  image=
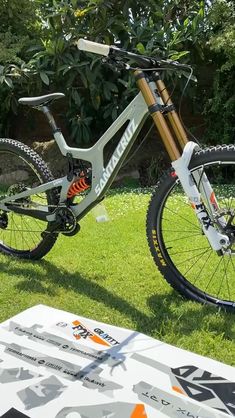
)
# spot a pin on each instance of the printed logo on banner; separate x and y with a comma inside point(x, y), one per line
point(80, 331)
point(198, 384)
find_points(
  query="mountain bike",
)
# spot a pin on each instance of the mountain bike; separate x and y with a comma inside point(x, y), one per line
point(190, 218)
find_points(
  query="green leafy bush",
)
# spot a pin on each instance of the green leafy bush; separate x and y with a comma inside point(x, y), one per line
point(91, 88)
point(39, 38)
point(220, 108)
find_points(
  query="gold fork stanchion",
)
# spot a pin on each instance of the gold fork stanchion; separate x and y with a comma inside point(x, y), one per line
point(157, 116)
point(172, 114)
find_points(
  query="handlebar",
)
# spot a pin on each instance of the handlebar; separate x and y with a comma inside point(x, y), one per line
point(94, 47)
point(114, 52)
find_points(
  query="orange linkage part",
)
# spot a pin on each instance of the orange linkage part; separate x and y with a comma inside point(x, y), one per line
point(78, 186)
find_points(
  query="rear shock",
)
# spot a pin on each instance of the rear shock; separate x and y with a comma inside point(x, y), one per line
point(78, 186)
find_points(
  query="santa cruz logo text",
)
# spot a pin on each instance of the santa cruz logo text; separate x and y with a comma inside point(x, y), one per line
point(116, 156)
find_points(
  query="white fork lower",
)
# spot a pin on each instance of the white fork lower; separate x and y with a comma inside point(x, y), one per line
point(217, 240)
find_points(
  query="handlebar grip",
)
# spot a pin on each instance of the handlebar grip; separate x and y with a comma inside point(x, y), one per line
point(94, 47)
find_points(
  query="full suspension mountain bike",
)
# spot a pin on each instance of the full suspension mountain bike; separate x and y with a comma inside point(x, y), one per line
point(190, 219)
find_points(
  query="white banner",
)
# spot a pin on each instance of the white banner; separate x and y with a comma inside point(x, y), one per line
point(55, 364)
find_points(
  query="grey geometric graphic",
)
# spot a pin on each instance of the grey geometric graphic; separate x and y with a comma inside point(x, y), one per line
point(16, 374)
point(63, 368)
point(172, 405)
point(93, 381)
point(109, 410)
point(41, 393)
point(67, 370)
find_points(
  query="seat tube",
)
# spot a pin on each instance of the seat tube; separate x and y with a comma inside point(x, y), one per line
point(157, 116)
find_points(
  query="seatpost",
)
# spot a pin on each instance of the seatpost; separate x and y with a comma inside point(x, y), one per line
point(50, 119)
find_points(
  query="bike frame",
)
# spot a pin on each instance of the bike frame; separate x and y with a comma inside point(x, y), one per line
point(102, 176)
point(153, 98)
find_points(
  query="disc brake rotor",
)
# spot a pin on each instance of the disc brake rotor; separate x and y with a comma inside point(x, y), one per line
point(3, 220)
point(226, 226)
point(18, 188)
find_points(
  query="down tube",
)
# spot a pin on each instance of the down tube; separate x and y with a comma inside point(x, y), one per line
point(102, 177)
point(119, 155)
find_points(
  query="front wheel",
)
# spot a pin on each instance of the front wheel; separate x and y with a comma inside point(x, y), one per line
point(177, 243)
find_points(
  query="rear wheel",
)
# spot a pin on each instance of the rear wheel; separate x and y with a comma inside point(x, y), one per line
point(21, 169)
point(177, 243)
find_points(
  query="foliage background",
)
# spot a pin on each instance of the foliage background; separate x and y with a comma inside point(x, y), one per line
point(38, 55)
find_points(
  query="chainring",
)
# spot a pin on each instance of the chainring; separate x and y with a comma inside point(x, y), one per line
point(67, 221)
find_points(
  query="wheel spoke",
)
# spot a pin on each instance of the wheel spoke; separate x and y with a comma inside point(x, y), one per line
point(183, 237)
point(193, 257)
point(189, 251)
point(199, 256)
point(22, 170)
point(181, 217)
point(205, 263)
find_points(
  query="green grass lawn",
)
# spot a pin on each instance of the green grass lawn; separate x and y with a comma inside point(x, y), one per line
point(106, 273)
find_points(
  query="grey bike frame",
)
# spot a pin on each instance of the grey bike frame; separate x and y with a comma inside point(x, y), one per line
point(102, 177)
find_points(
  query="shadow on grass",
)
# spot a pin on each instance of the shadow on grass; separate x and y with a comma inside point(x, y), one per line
point(189, 317)
point(164, 307)
point(39, 282)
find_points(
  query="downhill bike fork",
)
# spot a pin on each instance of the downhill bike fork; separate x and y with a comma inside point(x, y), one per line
point(217, 240)
point(180, 152)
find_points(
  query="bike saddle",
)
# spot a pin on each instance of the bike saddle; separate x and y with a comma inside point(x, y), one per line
point(40, 100)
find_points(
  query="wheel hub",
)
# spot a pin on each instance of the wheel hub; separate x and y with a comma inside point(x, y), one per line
point(229, 228)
